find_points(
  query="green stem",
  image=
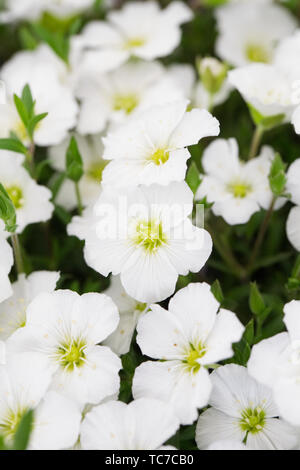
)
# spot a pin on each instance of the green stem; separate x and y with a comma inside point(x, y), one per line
point(78, 197)
point(256, 139)
point(30, 158)
point(261, 235)
point(17, 253)
point(227, 255)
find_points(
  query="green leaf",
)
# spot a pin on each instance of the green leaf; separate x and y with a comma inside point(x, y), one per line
point(34, 121)
point(249, 332)
point(242, 352)
point(13, 145)
point(22, 111)
point(7, 211)
point(55, 39)
point(23, 432)
point(62, 214)
point(2, 444)
point(193, 178)
point(56, 185)
point(28, 100)
point(256, 302)
point(216, 289)
point(27, 39)
point(74, 165)
point(277, 177)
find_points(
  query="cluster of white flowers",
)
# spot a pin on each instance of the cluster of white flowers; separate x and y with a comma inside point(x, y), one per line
point(128, 121)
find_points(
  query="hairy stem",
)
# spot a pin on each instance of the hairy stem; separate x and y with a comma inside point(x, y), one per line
point(17, 253)
point(261, 235)
point(256, 139)
point(78, 197)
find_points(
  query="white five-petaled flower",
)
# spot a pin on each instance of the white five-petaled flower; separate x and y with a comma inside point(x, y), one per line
point(31, 200)
point(249, 31)
point(115, 97)
point(238, 189)
point(243, 411)
point(6, 263)
point(145, 235)
point(91, 150)
point(66, 328)
point(266, 88)
point(275, 362)
point(25, 289)
point(153, 147)
point(144, 424)
point(139, 29)
point(185, 339)
point(24, 381)
point(51, 96)
point(31, 9)
point(130, 311)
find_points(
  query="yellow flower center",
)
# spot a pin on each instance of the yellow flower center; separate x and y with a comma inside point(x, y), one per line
point(71, 354)
point(192, 356)
point(253, 420)
point(239, 189)
point(149, 235)
point(134, 42)
point(257, 53)
point(20, 131)
point(95, 171)
point(159, 157)
point(126, 103)
point(16, 195)
point(10, 423)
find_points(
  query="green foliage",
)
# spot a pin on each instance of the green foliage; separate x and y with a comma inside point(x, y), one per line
point(22, 436)
point(7, 211)
point(217, 291)
point(193, 177)
point(74, 165)
point(277, 177)
point(13, 144)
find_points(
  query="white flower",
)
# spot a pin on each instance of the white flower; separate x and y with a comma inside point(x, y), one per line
point(249, 31)
point(186, 339)
point(139, 29)
point(115, 97)
point(238, 189)
point(144, 424)
point(66, 328)
point(51, 96)
point(130, 310)
point(293, 188)
point(227, 445)
point(31, 200)
point(25, 289)
point(91, 150)
point(276, 362)
point(6, 263)
point(153, 147)
point(292, 184)
point(293, 227)
point(145, 235)
point(31, 9)
point(242, 411)
point(287, 55)
point(23, 384)
point(266, 88)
